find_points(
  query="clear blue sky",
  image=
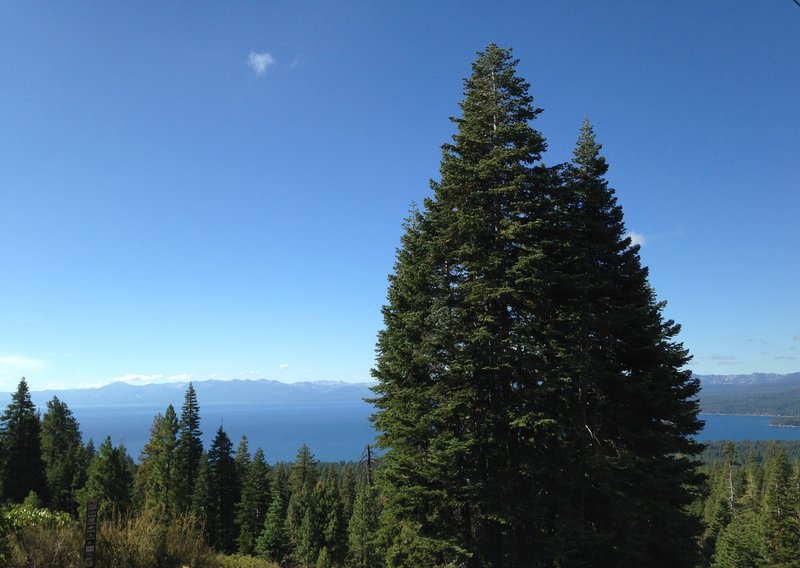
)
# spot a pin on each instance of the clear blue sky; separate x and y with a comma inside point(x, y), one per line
point(217, 189)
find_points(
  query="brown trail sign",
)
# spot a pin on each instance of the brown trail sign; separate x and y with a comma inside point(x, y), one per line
point(90, 542)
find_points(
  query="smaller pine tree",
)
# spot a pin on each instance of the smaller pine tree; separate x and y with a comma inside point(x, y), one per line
point(362, 546)
point(251, 510)
point(273, 542)
point(21, 467)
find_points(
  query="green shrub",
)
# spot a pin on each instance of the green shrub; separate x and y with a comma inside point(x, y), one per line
point(43, 538)
point(240, 561)
point(148, 542)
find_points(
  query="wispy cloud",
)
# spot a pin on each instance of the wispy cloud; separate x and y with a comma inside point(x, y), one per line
point(284, 366)
point(785, 357)
point(796, 338)
point(259, 62)
point(725, 359)
point(637, 238)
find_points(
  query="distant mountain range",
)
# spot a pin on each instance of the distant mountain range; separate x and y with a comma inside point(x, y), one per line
point(756, 393)
point(208, 392)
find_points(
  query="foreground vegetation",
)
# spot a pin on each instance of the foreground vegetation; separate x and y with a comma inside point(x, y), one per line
point(178, 504)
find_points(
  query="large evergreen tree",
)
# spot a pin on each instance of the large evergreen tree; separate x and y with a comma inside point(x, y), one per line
point(21, 466)
point(532, 401)
point(451, 361)
point(626, 404)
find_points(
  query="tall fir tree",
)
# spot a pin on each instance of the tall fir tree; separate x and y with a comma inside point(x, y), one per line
point(533, 403)
point(451, 361)
point(626, 402)
point(188, 450)
point(62, 453)
point(21, 467)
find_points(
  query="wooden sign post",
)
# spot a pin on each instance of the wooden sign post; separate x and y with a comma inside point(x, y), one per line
point(90, 542)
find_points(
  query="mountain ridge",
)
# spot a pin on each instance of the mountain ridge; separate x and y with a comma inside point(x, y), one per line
point(212, 391)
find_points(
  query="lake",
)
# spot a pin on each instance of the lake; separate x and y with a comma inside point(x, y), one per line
point(735, 427)
point(335, 431)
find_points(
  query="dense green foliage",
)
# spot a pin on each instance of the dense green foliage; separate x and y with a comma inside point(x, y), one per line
point(533, 403)
point(21, 464)
point(751, 510)
point(65, 458)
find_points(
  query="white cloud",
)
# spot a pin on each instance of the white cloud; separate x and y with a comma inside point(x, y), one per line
point(284, 366)
point(136, 378)
point(637, 238)
point(259, 62)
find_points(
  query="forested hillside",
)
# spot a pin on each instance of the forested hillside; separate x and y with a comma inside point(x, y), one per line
point(777, 395)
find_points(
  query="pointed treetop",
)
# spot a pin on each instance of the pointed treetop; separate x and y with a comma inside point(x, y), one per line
point(496, 111)
point(587, 151)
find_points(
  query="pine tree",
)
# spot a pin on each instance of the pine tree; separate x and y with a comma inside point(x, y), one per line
point(251, 509)
point(62, 453)
point(273, 542)
point(781, 536)
point(533, 403)
point(334, 527)
point(109, 480)
point(21, 467)
point(303, 528)
point(188, 450)
point(740, 544)
point(362, 548)
point(348, 488)
point(201, 492)
point(627, 400)
point(157, 475)
point(451, 361)
point(223, 485)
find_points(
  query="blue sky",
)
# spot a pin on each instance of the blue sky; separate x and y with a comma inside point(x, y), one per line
point(200, 190)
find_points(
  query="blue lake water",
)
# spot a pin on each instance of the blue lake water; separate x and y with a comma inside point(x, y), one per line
point(335, 431)
point(734, 427)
